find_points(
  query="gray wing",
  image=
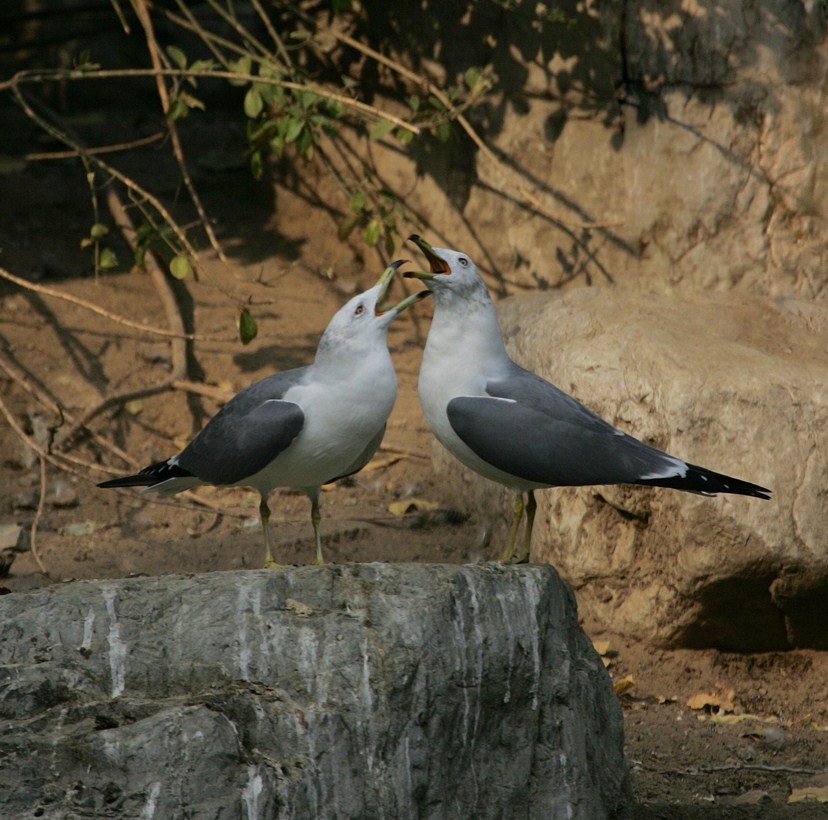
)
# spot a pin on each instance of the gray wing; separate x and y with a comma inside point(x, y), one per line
point(364, 457)
point(247, 433)
point(529, 428)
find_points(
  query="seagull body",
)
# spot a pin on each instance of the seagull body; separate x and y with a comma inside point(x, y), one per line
point(301, 428)
point(510, 425)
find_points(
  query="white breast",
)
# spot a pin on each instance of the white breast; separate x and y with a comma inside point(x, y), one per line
point(342, 415)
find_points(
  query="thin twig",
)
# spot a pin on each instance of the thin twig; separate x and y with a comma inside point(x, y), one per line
point(32, 444)
point(233, 22)
point(503, 171)
point(178, 353)
point(113, 317)
point(22, 378)
point(732, 767)
point(110, 170)
point(175, 139)
point(59, 75)
point(38, 513)
point(101, 149)
point(114, 401)
point(217, 394)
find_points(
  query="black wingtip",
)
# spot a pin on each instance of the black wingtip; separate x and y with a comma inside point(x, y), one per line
point(127, 481)
point(148, 477)
point(707, 482)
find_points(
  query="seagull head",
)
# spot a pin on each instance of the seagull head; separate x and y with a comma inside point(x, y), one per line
point(451, 273)
point(363, 320)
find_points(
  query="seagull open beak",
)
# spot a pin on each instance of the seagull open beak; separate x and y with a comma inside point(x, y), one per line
point(384, 283)
point(436, 264)
point(410, 300)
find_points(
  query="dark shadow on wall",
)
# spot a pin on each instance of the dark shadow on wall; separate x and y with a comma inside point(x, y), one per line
point(587, 62)
point(582, 61)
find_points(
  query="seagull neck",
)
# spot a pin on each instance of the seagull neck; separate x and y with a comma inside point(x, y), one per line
point(469, 325)
point(335, 363)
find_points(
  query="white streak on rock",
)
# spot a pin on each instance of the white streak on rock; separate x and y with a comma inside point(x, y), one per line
point(152, 802)
point(252, 790)
point(117, 648)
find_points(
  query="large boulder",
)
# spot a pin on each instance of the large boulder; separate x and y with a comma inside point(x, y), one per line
point(356, 691)
point(739, 386)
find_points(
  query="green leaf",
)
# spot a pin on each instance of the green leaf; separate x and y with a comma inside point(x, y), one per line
point(346, 228)
point(356, 202)
point(277, 146)
point(293, 129)
point(240, 66)
point(390, 242)
point(308, 99)
point(444, 131)
point(107, 259)
point(256, 165)
point(404, 135)
point(304, 143)
point(414, 103)
point(177, 56)
point(372, 232)
point(335, 108)
point(253, 103)
point(179, 267)
point(98, 231)
point(190, 101)
point(83, 62)
point(248, 329)
point(473, 76)
point(178, 109)
point(266, 91)
point(203, 65)
point(270, 70)
point(380, 129)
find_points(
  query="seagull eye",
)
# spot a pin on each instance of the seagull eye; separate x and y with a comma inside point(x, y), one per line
point(360, 309)
point(464, 263)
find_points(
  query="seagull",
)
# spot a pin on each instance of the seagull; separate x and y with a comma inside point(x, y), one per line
point(510, 425)
point(301, 428)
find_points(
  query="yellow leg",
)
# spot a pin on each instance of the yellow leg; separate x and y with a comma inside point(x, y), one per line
point(531, 506)
point(264, 515)
point(316, 517)
point(517, 514)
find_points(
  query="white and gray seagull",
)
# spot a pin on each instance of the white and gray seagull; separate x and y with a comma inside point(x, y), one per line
point(514, 427)
point(301, 428)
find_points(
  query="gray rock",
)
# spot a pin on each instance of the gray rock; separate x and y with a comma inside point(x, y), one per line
point(357, 691)
point(735, 385)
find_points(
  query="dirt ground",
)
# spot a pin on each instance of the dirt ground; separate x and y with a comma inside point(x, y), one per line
point(756, 736)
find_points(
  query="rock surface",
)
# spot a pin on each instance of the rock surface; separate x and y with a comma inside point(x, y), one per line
point(738, 386)
point(695, 134)
point(356, 691)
